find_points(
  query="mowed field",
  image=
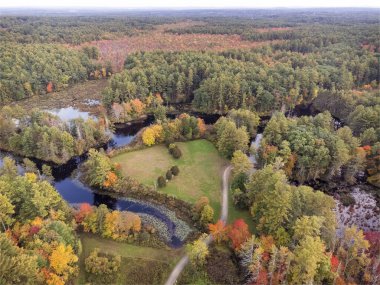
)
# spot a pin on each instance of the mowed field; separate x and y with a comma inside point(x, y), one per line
point(139, 265)
point(200, 166)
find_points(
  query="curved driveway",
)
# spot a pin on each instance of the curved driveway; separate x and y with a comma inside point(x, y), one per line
point(223, 216)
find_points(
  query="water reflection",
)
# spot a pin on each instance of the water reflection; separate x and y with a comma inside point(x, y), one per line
point(70, 113)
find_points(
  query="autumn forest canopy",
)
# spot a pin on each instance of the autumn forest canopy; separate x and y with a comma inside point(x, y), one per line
point(278, 110)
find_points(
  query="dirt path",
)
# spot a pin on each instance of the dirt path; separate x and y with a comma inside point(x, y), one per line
point(223, 216)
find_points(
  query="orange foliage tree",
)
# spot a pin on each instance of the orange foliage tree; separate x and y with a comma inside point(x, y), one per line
point(85, 209)
point(49, 87)
point(218, 231)
point(137, 106)
point(201, 126)
point(111, 179)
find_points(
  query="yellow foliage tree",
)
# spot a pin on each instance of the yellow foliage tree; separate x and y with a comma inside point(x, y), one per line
point(110, 225)
point(54, 279)
point(37, 222)
point(158, 133)
point(148, 137)
point(31, 177)
point(63, 262)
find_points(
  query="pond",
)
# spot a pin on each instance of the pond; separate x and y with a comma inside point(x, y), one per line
point(70, 113)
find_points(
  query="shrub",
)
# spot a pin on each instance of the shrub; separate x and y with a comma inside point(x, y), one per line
point(175, 151)
point(102, 267)
point(169, 175)
point(161, 182)
point(174, 170)
point(171, 146)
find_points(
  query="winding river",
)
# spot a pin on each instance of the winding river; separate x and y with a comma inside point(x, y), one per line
point(74, 192)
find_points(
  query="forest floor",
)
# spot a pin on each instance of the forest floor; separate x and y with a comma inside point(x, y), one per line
point(115, 51)
point(154, 263)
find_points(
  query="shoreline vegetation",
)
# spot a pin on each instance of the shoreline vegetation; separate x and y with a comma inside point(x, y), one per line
point(137, 114)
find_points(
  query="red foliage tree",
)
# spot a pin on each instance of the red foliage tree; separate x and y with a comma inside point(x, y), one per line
point(34, 230)
point(374, 241)
point(238, 233)
point(334, 263)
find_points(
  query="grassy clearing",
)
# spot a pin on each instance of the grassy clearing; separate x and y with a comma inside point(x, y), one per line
point(140, 265)
point(200, 166)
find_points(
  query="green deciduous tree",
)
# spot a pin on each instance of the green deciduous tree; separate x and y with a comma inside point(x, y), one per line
point(16, 265)
point(240, 163)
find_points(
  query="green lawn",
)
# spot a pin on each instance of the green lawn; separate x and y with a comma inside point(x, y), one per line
point(200, 166)
point(140, 265)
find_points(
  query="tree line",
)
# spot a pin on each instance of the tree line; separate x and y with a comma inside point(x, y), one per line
point(70, 30)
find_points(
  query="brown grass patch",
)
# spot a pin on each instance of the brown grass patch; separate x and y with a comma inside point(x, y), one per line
point(274, 29)
point(115, 51)
point(75, 96)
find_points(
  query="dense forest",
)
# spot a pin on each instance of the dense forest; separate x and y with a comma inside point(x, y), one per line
point(296, 133)
point(70, 30)
point(302, 28)
point(36, 70)
point(263, 80)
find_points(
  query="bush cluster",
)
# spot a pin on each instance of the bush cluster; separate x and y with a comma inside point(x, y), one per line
point(161, 180)
point(103, 268)
point(175, 151)
point(174, 170)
